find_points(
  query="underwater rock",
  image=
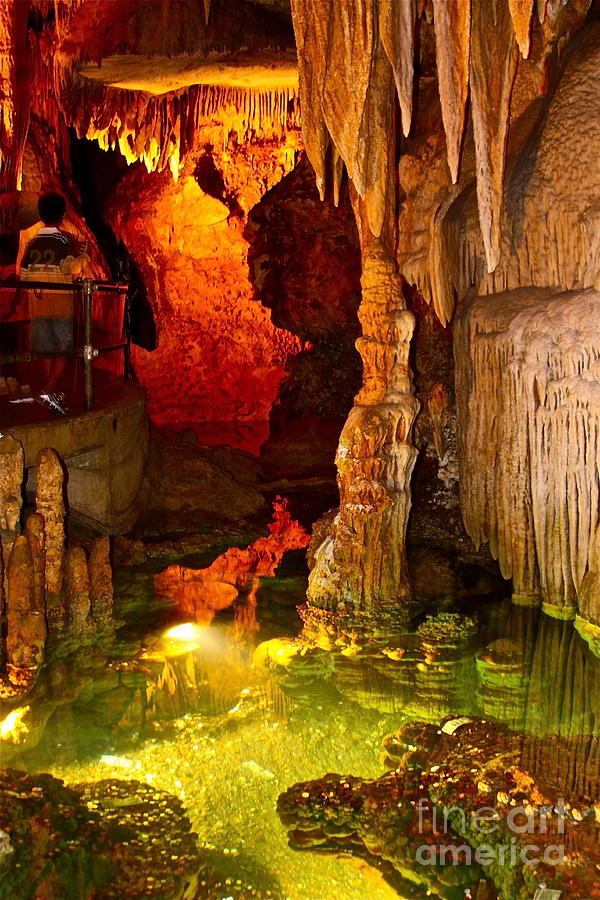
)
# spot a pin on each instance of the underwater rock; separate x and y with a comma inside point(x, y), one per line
point(114, 839)
point(49, 502)
point(463, 792)
point(375, 820)
point(100, 577)
point(26, 636)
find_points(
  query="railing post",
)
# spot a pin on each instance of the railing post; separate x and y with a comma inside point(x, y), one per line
point(88, 350)
point(127, 333)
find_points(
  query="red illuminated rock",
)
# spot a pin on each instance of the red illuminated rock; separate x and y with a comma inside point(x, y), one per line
point(224, 356)
point(202, 592)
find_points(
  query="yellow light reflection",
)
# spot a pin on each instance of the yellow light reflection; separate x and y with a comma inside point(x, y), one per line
point(189, 637)
point(188, 632)
point(13, 724)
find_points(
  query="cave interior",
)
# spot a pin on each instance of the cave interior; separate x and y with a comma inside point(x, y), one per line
point(301, 552)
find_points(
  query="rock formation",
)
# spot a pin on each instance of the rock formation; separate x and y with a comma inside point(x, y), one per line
point(26, 635)
point(533, 379)
point(461, 181)
point(50, 504)
point(11, 478)
point(76, 589)
point(101, 585)
point(426, 825)
point(45, 586)
point(361, 564)
point(121, 837)
point(200, 593)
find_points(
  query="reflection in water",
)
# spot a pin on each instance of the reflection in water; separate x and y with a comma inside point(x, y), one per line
point(191, 713)
point(201, 593)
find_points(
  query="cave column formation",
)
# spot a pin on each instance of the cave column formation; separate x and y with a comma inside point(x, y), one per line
point(362, 563)
point(485, 208)
point(347, 87)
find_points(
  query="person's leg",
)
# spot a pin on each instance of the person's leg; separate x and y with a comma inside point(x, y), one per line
point(49, 336)
point(40, 340)
point(62, 330)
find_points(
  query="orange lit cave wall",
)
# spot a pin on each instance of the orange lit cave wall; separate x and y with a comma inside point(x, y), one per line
point(219, 357)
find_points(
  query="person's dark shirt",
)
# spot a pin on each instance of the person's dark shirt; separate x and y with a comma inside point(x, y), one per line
point(49, 247)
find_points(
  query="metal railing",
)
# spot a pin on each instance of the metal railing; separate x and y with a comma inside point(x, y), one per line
point(87, 287)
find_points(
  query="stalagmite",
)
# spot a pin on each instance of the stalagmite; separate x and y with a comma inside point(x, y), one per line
point(360, 566)
point(11, 479)
point(76, 588)
point(35, 533)
point(437, 406)
point(452, 23)
point(397, 32)
point(26, 634)
point(100, 577)
point(49, 502)
point(493, 51)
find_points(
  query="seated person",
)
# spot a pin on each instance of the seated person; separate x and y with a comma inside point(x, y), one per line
point(52, 255)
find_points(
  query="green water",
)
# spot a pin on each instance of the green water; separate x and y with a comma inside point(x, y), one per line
point(197, 718)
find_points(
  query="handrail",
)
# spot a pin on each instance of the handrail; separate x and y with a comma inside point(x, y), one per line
point(75, 285)
point(88, 286)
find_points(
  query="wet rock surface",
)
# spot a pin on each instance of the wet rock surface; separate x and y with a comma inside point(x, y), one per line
point(112, 838)
point(460, 792)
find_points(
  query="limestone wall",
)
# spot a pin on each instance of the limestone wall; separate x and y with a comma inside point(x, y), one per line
point(528, 396)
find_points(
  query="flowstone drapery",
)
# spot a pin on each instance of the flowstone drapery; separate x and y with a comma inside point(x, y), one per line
point(361, 564)
point(528, 389)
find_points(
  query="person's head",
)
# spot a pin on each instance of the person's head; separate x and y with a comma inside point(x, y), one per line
point(52, 208)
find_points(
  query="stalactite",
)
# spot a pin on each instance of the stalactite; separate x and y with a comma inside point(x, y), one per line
point(311, 39)
point(349, 50)
point(550, 219)
point(14, 82)
point(397, 33)
point(161, 130)
point(493, 50)
point(452, 23)
point(521, 12)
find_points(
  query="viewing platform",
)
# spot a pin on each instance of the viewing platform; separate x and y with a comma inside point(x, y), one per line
point(102, 437)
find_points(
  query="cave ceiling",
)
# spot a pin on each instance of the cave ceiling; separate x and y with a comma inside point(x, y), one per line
point(416, 100)
point(157, 47)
